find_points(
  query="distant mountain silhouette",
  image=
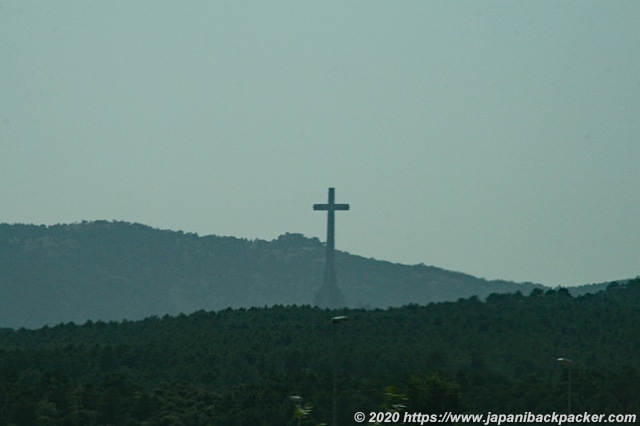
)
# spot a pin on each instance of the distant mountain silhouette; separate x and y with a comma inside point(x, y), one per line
point(116, 270)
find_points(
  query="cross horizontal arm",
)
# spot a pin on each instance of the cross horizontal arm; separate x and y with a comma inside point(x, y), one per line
point(331, 206)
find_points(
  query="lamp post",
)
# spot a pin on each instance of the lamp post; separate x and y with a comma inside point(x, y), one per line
point(297, 399)
point(567, 362)
point(334, 322)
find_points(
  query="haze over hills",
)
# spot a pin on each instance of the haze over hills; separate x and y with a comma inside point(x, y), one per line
point(116, 270)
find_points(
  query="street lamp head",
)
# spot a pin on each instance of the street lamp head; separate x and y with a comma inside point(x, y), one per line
point(295, 398)
point(565, 361)
point(339, 319)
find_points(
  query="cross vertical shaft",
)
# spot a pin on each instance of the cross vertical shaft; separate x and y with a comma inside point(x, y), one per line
point(329, 295)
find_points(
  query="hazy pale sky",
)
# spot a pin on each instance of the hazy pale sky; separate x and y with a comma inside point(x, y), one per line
point(499, 139)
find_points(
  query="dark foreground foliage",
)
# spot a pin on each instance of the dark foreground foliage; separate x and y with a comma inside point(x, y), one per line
point(240, 367)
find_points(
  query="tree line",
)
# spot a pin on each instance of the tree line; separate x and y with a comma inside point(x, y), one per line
point(241, 366)
point(118, 270)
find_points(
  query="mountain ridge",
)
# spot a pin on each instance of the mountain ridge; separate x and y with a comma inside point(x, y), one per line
point(104, 270)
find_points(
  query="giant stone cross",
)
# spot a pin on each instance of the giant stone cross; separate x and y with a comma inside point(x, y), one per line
point(329, 295)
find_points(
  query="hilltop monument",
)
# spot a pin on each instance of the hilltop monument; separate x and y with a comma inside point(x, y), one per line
point(329, 295)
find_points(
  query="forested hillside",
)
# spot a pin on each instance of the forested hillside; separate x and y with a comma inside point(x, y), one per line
point(115, 270)
point(240, 366)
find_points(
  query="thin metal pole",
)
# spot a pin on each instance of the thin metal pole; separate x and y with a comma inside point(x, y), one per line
point(335, 361)
point(334, 321)
point(569, 365)
point(570, 368)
